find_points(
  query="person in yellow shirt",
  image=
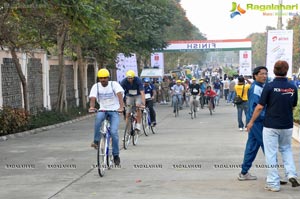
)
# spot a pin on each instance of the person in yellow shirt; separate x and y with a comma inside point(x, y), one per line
point(241, 89)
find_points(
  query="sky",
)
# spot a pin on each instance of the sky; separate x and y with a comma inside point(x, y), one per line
point(212, 17)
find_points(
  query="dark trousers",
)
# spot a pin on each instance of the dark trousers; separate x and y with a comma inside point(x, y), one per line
point(149, 104)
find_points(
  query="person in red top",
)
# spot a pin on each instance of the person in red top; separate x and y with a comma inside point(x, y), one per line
point(210, 94)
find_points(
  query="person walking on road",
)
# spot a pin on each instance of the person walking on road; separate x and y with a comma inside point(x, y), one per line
point(109, 95)
point(279, 97)
point(255, 140)
point(241, 89)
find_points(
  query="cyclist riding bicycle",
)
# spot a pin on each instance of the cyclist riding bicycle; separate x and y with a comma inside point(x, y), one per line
point(210, 95)
point(195, 91)
point(109, 95)
point(135, 96)
point(150, 94)
point(177, 91)
point(202, 91)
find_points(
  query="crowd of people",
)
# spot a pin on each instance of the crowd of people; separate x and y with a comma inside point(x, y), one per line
point(267, 106)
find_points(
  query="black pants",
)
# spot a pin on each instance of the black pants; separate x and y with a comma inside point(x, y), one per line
point(149, 104)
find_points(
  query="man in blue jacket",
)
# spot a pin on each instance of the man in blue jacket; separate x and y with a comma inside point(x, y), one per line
point(280, 98)
point(255, 140)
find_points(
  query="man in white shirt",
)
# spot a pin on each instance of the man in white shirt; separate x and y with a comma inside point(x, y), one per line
point(109, 95)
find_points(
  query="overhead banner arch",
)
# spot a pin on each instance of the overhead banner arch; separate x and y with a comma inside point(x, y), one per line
point(208, 45)
point(244, 47)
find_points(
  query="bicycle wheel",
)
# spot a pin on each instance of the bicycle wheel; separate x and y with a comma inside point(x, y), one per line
point(210, 106)
point(101, 156)
point(175, 108)
point(135, 137)
point(192, 110)
point(127, 134)
point(109, 156)
point(145, 122)
point(195, 109)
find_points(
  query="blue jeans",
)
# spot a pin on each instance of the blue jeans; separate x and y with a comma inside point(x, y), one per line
point(114, 120)
point(240, 108)
point(217, 98)
point(231, 96)
point(174, 98)
point(274, 140)
point(254, 142)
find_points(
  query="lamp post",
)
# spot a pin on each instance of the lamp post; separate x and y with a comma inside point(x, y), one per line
point(279, 20)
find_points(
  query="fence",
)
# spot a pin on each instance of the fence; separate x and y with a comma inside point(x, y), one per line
point(42, 76)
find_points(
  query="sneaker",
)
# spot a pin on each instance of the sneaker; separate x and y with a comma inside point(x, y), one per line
point(198, 109)
point(283, 182)
point(247, 176)
point(174, 111)
point(117, 160)
point(294, 182)
point(138, 126)
point(241, 129)
point(153, 124)
point(95, 144)
point(274, 189)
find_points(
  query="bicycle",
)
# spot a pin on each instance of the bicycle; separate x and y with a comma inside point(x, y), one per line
point(146, 122)
point(130, 132)
point(105, 157)
point(176, 106)
point(210, 104)
point(202, 100)
point(194, 107)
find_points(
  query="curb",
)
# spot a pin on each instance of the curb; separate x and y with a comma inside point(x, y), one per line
point(41, 129)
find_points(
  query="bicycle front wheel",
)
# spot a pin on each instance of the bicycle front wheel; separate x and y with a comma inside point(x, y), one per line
point(145, 123)
point(109, 156)
point(127, 135)
point(210, 106)
point(101, 156)
point(135, 137)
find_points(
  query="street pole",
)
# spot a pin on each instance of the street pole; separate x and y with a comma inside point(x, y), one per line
point(279, 20)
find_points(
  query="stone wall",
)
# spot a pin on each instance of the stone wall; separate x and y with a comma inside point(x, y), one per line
point(35, 84)
point(42, 75)
point(70, 91)
point(11, 84)
point(53, 84)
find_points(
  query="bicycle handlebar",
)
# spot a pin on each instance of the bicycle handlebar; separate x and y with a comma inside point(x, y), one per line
point(96, 111)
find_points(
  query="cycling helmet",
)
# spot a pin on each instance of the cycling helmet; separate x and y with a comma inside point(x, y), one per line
point(178, 81)
point(146, 80)
point(130, 73)
point(193, 79)
point(103, 73)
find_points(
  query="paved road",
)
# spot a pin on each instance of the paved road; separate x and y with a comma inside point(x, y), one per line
point(187, 158)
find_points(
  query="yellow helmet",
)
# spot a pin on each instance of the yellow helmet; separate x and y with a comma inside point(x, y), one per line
point(130, 73)
point(201, 81)
point(193, 79)
point(103, 73)
point(178, 81)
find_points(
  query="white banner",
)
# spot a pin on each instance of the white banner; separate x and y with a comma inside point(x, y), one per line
point(279, 47)
point(124, 64)
point(245, 62)
point(157, 60)
point(230, 44)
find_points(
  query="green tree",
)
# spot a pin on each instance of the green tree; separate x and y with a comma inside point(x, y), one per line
point(294, 24)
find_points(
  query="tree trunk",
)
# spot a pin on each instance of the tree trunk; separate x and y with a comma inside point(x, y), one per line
point(81, 77)
point(21, 76)
point(61, 100)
